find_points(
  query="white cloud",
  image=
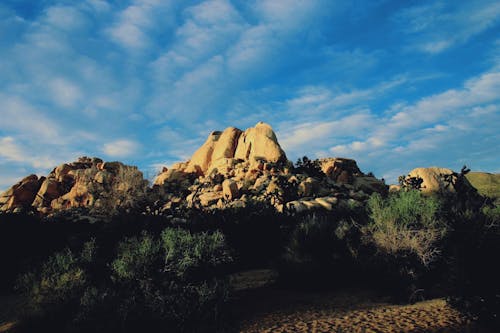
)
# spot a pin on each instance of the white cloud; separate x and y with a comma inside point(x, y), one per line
point(437, 27)
point(11, 151)
point(136, 23)
point(287, 14)
point(65, 18)
point(99, 5)
point(316, 100)
point(120, 148)
point(304, 138)
point(21, 117)
point(64, 92)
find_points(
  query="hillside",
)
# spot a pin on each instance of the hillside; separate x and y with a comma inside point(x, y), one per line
point(488, 184)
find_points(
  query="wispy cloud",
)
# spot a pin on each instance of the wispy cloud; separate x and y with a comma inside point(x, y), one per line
point(134, 26)
point(120, 148)
point(11, 151)
point(440, 25)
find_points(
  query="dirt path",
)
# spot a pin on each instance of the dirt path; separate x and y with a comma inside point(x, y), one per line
point(280, 312)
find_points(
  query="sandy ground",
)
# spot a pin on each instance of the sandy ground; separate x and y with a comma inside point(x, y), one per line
point(285, 311)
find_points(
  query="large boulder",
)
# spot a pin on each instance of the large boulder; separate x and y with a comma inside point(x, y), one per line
point(259, 143)
point(49, 190)
point(223, 150)
point(22, 194)
point(203, 156)
point(226, 144)
point(432, 178)
point(341, 170)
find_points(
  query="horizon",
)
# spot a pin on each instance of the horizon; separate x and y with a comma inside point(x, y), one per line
point(394, 86)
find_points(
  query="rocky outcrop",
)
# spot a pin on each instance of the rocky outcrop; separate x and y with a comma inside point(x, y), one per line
point(232, 169)
point(341, 170)
point(346, 171)
point(222, 151)
point(87, 182)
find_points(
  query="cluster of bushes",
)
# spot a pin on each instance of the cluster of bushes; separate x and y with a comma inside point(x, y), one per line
point(174, 281)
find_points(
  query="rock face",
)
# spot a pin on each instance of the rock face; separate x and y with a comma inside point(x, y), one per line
point(88, 182)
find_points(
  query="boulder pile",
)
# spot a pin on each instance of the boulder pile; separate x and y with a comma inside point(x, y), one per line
point(87, 182)
point(234, 168)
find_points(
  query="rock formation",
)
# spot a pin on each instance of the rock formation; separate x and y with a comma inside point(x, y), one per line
point(232, 169)
point(88, 182)
point(223, 150)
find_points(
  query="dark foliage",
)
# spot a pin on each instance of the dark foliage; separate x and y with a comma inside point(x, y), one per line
point(173, 281)
point(309, 167)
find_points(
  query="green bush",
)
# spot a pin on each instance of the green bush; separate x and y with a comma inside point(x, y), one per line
point(137, 258)
point(59, 281)
point(405, 222)
point(173, 281)
point(156, 279)
point(194, 255)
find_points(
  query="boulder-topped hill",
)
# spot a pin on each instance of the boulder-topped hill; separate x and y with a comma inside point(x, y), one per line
point(233, 168)
point(87, 182)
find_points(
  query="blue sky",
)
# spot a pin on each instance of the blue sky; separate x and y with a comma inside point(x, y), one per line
point(392, 84)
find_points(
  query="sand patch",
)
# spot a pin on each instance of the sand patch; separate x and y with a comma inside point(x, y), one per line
point(319, 312)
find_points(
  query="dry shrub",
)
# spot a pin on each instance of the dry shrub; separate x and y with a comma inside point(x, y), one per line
point(405, 222)
point(395, 240)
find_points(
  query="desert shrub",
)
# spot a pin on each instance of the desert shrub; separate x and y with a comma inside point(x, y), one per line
point(172, 281)
point(194, 255)
point(284, 192)
point(405, 222)
point(56, 288)
point(157, 279)
point(406, 234)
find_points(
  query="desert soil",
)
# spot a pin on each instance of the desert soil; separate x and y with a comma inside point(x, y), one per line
point(284, 311)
